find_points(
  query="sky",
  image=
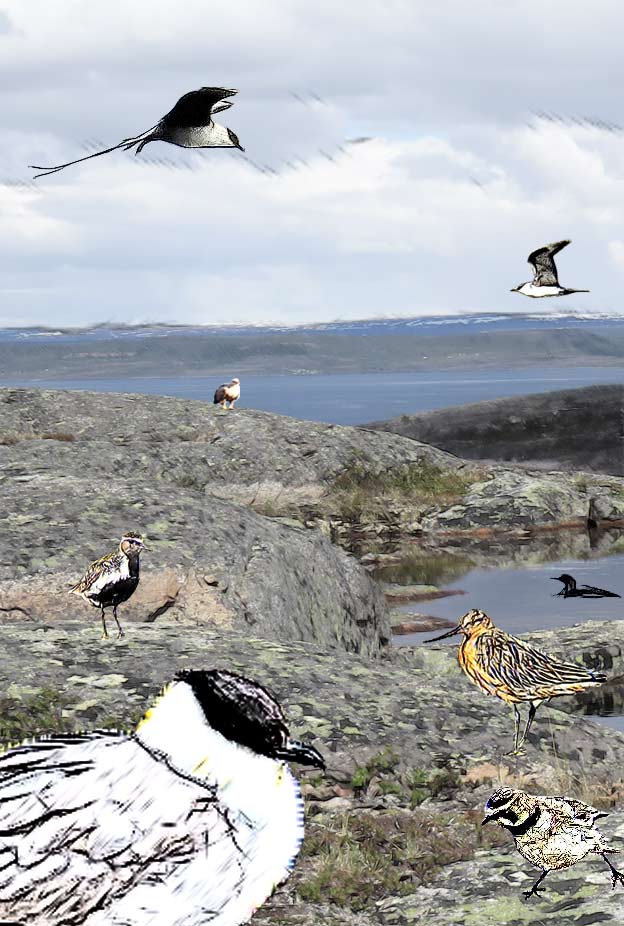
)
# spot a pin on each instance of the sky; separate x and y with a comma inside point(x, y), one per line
point(435, 213)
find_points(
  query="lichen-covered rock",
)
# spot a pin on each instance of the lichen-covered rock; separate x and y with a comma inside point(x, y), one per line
point(404, 729)
point(487, 890)
point(522, 498)
point(208, 562)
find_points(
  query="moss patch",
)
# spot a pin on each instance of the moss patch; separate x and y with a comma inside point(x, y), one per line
point(359, 489)
point(41, 712)
point(355, 859)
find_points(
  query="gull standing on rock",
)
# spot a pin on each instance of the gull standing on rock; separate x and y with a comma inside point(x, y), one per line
point(192, 820)
point(227, 392)
point(188, 125)
point(545, 281)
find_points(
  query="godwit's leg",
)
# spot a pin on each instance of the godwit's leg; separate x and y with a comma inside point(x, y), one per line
point(532, 709)
point(516, 727)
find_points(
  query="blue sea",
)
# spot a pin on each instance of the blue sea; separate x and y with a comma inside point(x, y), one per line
point(353, 398)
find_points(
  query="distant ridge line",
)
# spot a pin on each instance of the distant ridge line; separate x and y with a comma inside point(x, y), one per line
point(421, 324)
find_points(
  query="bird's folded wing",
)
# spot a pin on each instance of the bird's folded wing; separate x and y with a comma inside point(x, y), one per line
point(96, 823)
point(517, 667)
point(577, 812)
point(99, 569)
point(599, 591)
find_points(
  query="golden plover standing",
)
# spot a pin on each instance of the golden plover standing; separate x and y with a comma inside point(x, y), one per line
point(111, 580)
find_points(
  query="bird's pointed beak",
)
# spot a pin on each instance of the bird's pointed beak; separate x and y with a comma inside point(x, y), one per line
point(449, 633)
point(240, 147)
point(297, 751)
point(485, 820)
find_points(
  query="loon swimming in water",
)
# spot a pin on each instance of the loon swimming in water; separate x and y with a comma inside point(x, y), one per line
point(570, 589)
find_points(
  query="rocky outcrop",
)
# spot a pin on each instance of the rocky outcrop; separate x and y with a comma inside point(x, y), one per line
point(414, 701)
point(350, 482)
point(209, 562)
point(570, 429)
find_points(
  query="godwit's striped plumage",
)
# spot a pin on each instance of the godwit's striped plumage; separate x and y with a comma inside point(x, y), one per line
point(513, 670)
point(111, 580)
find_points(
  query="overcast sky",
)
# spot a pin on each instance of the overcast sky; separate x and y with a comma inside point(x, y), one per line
point(436, 214)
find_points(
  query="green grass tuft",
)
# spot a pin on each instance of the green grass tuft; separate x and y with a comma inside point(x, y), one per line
point(356, 859)
point(359, 489)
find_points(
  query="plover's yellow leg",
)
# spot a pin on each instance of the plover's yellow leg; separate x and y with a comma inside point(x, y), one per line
point(104, 630)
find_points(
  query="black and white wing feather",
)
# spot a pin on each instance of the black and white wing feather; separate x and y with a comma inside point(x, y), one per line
point(543, 263)
point(599, 592)
point(97, 830)
point(577, 813)
point(99, 573)
point(196, 107)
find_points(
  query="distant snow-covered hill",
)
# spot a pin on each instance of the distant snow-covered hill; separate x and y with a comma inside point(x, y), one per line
point(432, 325)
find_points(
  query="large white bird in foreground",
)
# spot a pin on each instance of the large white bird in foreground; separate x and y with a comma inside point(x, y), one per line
point(191, 820)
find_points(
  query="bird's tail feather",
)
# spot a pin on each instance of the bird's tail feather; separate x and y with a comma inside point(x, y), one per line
point(125, 143)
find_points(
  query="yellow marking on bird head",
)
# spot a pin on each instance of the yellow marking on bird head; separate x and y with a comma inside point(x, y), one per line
point(149, 713)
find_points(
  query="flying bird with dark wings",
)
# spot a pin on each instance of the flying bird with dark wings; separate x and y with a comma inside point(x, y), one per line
point(545, 281)
point(188, 125)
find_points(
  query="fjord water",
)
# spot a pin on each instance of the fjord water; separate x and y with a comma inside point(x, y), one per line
point(350, 398)
point(523, 599)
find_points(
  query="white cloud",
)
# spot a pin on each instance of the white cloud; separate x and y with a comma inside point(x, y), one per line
point(437, 213)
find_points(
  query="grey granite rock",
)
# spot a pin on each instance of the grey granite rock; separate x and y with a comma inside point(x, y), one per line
point(573, 429)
